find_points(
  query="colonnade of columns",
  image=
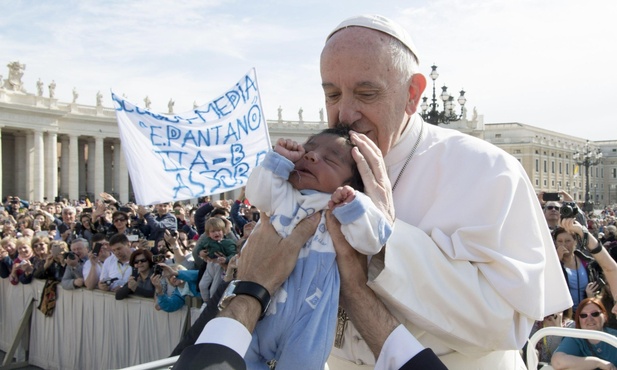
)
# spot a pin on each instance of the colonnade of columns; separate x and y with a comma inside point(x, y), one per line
point(48, 164)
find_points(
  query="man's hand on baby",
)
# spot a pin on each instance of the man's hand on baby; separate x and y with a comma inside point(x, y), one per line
point(289, 149)
point(342, 195)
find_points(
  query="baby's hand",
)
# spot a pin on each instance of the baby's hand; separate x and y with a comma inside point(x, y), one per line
point(342, 195)
point(289, 149)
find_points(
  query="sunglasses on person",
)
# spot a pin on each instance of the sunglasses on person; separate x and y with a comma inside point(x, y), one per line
point(39, 245)
point(593, 314)
point(139, 261)
point(120, 219)
point(552, 208)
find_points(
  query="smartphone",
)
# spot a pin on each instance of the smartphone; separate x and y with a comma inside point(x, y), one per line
point(256, 216)
point(133, 238)
point(135, 272)
point(42, 234)
point(96, 249)
point(150, 243)
point(547, 197)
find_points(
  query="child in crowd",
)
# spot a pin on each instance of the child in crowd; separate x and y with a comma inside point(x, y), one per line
point(293, 182)
point(219, 251)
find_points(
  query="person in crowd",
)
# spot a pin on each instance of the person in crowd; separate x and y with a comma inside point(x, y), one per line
point(303, 179)
point(577, 266)
point(41, 221)
point(8, 244)
point(547, 346)
point(85, 229)
point(178, 243)
point(40, 248)
point(9, 229)
point(66, 225)
point(15, 206)
point(23, 262)
point(55, 263)
point(117, 268)
point(96, 257)
point(156, 225)
point(214, 240)
point(75, 259)
point(578, 353)
point(184, 223)
point(102, 218)
point(24, 221)
point(121, 224)
point(204, 211)
point(183, 282)
point(139, 282)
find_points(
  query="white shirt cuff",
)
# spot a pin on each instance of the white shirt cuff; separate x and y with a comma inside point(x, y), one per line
point(393, 354)
point(227, 332)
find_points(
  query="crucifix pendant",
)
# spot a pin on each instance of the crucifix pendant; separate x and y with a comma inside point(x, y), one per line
point(341, 324)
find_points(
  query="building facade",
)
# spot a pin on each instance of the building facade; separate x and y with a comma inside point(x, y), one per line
point(68, 150)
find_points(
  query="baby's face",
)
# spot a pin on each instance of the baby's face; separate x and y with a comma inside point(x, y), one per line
point(326, 165)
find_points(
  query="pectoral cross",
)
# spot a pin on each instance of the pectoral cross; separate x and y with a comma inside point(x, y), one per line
point(341, 324)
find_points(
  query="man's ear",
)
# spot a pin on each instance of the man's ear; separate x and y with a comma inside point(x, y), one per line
point(416, 88)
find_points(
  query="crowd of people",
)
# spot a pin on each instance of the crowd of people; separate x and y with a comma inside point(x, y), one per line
point(586, 246)
point(166, 252)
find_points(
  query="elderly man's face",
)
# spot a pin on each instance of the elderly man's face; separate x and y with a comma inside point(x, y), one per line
point(68, 216)
point(363, 88)
point(79, 249)
point(551, 211)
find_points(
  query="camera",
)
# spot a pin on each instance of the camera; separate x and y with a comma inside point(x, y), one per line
point(70, 255)
point(110, 281)
point(96, 249)
point(568, 210)
point(156, 259)
point(173, 233)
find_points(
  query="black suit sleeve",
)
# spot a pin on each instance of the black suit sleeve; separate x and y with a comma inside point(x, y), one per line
point(209, 356)
point(425, 360)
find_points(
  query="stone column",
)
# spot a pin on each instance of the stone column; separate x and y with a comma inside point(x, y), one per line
point(29, 189)
point(51, 166)
point(121, 173)
point(38, 173)
point(83, 173)
point(108, 160)
point(73, 168)
point(99, 171)
point(21, 170)
point(64, 166)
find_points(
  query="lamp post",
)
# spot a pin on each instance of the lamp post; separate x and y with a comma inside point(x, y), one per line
point(447, 115)
point(587, 158)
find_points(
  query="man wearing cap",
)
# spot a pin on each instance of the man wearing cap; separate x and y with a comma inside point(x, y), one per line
point(470, 265)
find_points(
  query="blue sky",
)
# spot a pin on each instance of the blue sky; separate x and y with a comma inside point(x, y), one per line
point(547, 63)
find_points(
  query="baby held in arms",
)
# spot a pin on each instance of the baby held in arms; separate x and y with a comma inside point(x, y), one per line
point(293, 182)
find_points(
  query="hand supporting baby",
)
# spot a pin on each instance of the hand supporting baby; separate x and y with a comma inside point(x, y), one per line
point(342, 195)
point(289, 149)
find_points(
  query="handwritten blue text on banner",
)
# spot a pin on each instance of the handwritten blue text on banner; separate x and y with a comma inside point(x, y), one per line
point(209, 150)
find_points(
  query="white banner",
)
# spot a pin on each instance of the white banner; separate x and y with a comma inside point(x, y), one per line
point(209, 150)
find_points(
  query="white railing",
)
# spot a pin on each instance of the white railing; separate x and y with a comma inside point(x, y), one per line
point(532, 356)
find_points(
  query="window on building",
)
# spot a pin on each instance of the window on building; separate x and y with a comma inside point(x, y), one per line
point(567, 168)
point(497, 135)
point(560, 168)
point(538, 167)
point(544, 182)
point(614, 172)
point(545, 166)
point(553, 167)
point(537, 182)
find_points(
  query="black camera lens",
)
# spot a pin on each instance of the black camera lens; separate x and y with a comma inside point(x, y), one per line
point(70, 255)
point(568, 210)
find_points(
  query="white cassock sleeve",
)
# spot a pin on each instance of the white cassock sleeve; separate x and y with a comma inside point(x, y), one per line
point(470, 264)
